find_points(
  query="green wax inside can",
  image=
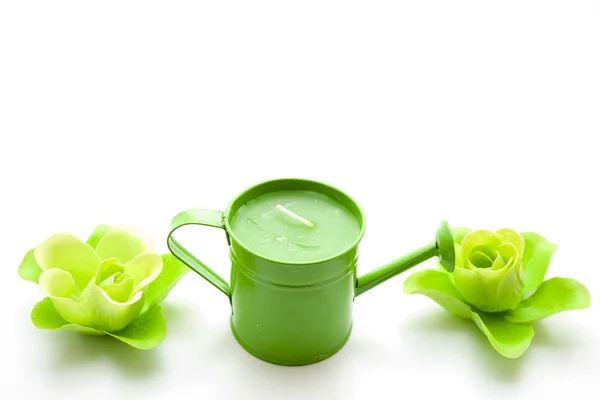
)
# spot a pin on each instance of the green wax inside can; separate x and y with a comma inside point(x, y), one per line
point(295, 226)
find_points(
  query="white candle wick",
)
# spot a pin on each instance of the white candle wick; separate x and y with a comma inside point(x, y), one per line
point(294, 215)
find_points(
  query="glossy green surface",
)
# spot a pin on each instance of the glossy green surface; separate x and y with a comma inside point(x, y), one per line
point(492, 285)
point(294, 312)
point(270, 232)
point(109, 285)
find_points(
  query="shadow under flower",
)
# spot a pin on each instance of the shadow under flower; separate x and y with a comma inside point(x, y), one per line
point(183, 319)
point(439, 326)
point(74, 350)
point(554, 334)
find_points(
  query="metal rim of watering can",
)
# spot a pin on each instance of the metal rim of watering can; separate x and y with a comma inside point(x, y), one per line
point(362, 221)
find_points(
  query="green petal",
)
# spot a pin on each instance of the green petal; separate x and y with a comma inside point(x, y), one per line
point(68, 253)
point(97, 234)
point(510, 290)
point(120, 277)
point(469, 285)
point(109, 270)
point(507, 235)
point(478, 259)
point(144, 269)
point(552, 296)
point(172, 271)
point(83, 330)
point(510, 340)
point(58, 283)
point(72, 311)
point(438, 286)
point(29, 268)
point(509, 253)
point(45, 316)
point(479, 239)
point(148, 330)
point(458, 260)
point(458, 234)
point(120, 292)
point(120, 244)
point(109, 315)
point(488, 289)
point(499, 263)
point(536, 259)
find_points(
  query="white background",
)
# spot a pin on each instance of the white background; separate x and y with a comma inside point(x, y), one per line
point(486, 114)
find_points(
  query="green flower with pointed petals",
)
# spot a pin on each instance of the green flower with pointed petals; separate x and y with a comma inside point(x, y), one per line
point(110, 285)
point(498, 283)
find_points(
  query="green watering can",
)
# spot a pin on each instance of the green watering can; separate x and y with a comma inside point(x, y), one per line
point(293, 245)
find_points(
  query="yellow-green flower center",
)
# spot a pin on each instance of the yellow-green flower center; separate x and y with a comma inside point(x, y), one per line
point(483, 257)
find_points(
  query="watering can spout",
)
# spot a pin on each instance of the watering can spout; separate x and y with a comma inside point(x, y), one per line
point(442, 248)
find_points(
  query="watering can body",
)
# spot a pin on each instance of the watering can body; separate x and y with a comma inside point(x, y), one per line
point(289, 313)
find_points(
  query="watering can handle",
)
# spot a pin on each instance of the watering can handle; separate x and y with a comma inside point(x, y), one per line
point(197, 217)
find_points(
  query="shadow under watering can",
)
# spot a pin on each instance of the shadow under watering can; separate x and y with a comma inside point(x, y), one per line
point(291, 298)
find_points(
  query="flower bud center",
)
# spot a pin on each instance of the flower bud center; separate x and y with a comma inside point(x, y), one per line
point(483, 257)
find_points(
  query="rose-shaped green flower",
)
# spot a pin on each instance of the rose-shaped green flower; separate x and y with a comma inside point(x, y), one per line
point(110, 285)
point(488, 269)
point(498, 282)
